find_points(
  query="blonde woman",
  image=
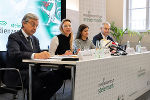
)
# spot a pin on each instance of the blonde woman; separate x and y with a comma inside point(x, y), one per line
point(62, 43)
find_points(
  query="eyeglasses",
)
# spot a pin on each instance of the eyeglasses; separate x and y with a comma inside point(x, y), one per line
point(33, 24)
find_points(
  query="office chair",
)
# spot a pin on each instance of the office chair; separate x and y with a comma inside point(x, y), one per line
point(3, 87)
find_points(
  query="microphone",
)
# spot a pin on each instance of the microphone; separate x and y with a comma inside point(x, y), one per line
point(114, 45)
point(117, 47)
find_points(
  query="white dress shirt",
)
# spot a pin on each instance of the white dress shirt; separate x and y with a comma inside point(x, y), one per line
point(25, 34)
point(53, 45)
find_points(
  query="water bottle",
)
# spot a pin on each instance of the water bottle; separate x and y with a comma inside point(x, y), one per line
point(128, 44)
point(138, 47)
point(101, 50)
point(97, 49)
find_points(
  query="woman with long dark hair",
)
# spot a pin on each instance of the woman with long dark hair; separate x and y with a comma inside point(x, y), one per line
point(82, 42)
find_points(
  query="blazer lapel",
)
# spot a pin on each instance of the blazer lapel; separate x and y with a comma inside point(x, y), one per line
point(25, 42)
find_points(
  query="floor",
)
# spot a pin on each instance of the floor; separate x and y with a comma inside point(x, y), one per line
point(62, 96)
point(59, 95)
point(145, 96)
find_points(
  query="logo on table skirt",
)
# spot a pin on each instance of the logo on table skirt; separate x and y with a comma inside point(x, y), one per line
point(148, 82)
point(105, 85)
point(141, 72)
point(120, 97)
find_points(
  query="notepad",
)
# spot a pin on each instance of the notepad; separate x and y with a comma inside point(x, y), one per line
point(66, 57)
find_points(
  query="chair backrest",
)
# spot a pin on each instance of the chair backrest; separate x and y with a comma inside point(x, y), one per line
point(7, 89)
point(3, 59)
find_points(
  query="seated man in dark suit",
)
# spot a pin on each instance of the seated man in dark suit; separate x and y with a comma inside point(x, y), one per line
point(104, 34)
point(24, 45)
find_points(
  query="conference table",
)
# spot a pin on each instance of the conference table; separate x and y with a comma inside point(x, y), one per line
point(112, 78)
point(46, 62)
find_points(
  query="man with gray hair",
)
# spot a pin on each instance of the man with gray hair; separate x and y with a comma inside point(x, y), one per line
point(104, 34)
point(24, 45)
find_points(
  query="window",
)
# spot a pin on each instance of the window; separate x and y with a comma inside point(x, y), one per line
point(138, 15)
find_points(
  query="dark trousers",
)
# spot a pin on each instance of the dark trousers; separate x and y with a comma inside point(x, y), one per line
point(65, 73)
point(0, 77)
point(44, 85)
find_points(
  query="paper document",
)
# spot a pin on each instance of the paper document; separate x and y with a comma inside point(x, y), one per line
point(66, 57)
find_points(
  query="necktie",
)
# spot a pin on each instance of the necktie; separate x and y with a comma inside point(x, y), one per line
point(30, 41)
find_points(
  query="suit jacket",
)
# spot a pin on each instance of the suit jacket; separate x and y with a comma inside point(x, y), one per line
point(99, 37)
point(19, 48)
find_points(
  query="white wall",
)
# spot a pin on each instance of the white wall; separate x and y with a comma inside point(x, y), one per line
point(114, 11)
point(72, 13)
point(72, 4)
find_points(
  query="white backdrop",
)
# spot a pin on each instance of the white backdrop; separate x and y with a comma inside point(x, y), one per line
point(92, 13)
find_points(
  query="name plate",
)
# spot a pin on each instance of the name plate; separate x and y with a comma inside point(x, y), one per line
point(105, 53)
point(130, 51)
point(86, 54)
point(143, 49)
